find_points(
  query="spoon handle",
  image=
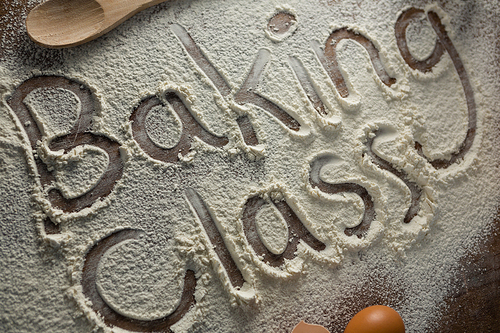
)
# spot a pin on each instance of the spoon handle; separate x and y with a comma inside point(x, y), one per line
point(66, 23)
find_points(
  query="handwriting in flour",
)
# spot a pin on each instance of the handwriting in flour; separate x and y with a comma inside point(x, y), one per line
point(109, 315)
point(81, 134)
point(328, 58)
point(190, 128)
point(296, 232)
point(443, 44)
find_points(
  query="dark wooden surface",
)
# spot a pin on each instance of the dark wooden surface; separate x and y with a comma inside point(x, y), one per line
point(474, 307)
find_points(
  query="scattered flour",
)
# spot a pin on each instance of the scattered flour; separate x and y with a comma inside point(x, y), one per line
point(272, 228)
point(136, 282)
point(163, 127)
point(55, 110)
point(421, 38)
point(407, 264)
point(79, 171)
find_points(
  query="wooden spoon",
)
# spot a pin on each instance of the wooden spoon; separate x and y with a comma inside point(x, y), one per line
point(65, 23)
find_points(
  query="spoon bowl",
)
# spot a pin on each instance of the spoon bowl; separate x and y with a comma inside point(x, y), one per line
point(65, 23)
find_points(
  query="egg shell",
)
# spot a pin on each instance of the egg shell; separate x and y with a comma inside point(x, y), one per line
point(376, 319)
point(304, 327)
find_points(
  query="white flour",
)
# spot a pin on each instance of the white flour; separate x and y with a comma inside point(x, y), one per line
point(163, 127)
point(272, 229)
point(41, 281)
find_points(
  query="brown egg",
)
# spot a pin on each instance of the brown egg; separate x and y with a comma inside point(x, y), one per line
point(376, 319)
